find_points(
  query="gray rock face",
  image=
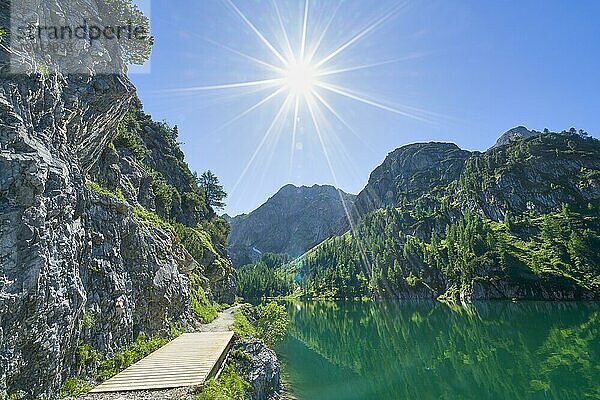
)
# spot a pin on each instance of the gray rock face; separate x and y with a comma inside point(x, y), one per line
point(262, 370)
point(51, 131)
point(65, 250)
point(291, 222)
point(133, 262)
point(408, 172)
point(519, 132)
point(551, 170)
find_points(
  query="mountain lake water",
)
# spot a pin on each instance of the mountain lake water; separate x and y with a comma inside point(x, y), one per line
point(428, 350)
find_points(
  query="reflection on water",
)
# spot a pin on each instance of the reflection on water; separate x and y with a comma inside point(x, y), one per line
point(428, 350)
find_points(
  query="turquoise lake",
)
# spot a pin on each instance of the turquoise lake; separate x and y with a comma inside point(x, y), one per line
point(429, 350)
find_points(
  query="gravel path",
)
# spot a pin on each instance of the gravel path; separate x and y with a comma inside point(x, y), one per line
point(223, 322)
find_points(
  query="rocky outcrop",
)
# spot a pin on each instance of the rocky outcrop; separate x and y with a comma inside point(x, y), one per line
point(518, 132)
point(260, 368)
point(290, 222)
point(408, 172)
point(538, 174)
point(52, 129)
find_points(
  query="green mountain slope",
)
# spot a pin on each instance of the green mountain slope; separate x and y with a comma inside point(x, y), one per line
point(521, 220)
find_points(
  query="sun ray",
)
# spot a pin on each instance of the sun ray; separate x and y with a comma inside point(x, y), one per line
point(304, 28)
point(359, 67)
point(360, 35)
point(249, 110)
point(266, 82)
point(284, 31)
point(337, 185)
point(342, 120)
point(283, 108)
point(346, 93)
point(294, 129)
point(324, 32)
point(257, 32)
point(244, 55)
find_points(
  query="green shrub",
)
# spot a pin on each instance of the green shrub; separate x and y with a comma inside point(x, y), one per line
point(273, 321)
point(151, 218)
point(195, 241)
point(88, 320)
point(74, 387)
point(228, 386)
point(200, 303)
point(86, 356)
point(241, 326)
point(129, 138)
point(164, 193)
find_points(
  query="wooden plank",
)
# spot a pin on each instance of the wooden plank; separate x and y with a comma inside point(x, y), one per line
point(189, 360)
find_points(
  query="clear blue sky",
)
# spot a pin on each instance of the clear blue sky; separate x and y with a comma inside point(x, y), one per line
point(470, 70)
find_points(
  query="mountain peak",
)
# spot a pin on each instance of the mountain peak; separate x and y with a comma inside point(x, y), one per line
point(409, 171)
point(291, 221)
point(515, 133)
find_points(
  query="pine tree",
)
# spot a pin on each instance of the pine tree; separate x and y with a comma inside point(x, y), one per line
point(213, 191)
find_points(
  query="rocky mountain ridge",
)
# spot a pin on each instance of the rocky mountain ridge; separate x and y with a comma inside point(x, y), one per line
point(291, 221)
point(520, 220)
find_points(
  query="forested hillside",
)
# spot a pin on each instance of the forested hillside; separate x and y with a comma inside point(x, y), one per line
point(521, 220)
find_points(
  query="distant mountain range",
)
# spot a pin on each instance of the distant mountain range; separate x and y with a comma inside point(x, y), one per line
point(520, 220)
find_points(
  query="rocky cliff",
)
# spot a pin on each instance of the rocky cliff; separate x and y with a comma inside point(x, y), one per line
point(408, 172)
point(291, 222)
point(98, 241)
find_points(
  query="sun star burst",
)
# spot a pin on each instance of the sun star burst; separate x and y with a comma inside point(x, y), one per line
point(295, 71)
point(300, 78)
point(303, 79)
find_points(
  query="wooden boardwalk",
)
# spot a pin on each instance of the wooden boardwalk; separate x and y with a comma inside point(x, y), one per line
point(189, 360)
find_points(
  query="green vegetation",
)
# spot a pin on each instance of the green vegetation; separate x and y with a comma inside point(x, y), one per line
point(265, 278)
point(117, 194)
point(140, 348)
point(228, 386)
point(88, 320)
point(74, 387)
point(200, 303)
point(128, 136)
point(152, 219)
point(86, 356)
point(241, 326)
point(213, 190)
point(196, 241)
point(271, 323)
point(165, 194)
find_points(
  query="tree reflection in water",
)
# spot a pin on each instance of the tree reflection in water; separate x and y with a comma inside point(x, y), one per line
point(429, 350)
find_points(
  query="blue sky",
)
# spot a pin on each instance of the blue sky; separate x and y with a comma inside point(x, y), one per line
point(463, 71)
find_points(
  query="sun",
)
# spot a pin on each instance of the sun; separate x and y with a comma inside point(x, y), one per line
point(300, 78)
